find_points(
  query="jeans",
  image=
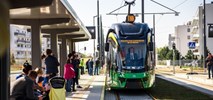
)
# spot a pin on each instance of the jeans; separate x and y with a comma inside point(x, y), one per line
point(82, 70)
point(96, 71)
point(90, 71)
point(210, 70)
point(68, 85)
point(45, 81)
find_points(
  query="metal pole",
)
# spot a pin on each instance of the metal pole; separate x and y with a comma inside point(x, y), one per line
point(142, 11)
point(154, 38)
point(173, 61)
point(4, 52)
point(173, 47)
point(95, 36)
point(179, 47)
point(98, 25)
point(204, 33)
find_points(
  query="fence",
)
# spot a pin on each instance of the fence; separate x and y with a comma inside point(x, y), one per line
point(194, 63)
point(187, 66)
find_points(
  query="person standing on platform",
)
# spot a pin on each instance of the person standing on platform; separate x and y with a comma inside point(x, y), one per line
point(97, 64)
point(52, 64)
point(75, 62)
point(209, 63)
point(82, 66)
point(69, 74)
point(91, 67)
point(87, 65)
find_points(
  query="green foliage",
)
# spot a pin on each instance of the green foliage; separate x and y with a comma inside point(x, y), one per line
point(189, 55)
point(12, 60)
point(162, 53)
point(167, 54)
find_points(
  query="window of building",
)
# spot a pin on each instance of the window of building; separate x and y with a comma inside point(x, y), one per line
point(211, 31)
point(188, 29)
point(188, 37)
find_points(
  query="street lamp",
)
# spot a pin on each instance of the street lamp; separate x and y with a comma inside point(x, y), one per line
point(173, 47)
point(179, 47)
point(95, 35)
point(204, 32)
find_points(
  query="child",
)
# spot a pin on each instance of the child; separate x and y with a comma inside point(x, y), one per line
point(69, 74)
point(39, 78)
point(26, 68)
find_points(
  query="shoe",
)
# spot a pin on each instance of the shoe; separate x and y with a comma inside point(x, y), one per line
point(79, 86)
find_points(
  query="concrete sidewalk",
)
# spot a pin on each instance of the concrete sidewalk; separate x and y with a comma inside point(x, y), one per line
point(198, 82)
point(93, 88)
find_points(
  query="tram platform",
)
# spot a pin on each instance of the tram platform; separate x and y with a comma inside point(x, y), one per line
point(198, 82)
point(93, 88)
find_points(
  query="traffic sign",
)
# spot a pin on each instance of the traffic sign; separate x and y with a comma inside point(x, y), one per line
point(191, 45)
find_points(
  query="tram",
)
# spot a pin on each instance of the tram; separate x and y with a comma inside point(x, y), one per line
point(130, 48)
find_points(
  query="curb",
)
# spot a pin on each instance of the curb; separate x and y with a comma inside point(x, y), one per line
point(104, 86)
point(192, 88)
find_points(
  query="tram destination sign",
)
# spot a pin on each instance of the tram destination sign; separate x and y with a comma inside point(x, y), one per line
point(132, 41)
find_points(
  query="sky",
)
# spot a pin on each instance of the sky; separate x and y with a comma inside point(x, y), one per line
point(164, 24)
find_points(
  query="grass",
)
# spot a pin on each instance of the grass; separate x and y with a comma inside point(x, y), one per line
point(195, 68)
point(15, 67)
point(167, 90)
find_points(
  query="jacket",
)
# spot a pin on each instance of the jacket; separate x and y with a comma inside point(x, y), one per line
point(51, 64)
point(69, 71)
point(23, 89)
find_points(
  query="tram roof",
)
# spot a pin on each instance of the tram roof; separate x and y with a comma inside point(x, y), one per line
point(130, 28)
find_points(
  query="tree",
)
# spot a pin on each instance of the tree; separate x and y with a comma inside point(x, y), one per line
point(12, 60)
point(189, 55)
point(162, 53)
point(167, 54)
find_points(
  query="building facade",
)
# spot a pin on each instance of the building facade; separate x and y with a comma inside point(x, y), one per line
point(198, 27)
point(182, 37)
point(193, 32)
point(20, 44)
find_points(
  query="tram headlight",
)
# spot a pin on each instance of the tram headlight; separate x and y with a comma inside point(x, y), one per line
point(130, 18)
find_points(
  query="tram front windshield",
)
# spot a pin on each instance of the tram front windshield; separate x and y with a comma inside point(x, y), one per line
point(133, 55)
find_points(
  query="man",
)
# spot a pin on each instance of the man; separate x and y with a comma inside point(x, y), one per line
point(131, 54)
point(76, 62)
point(23, 88)
point(209, 61)
point(97, 64)
point(82, 66)
point(87, 65)
point(91, 67)
point(131, 57)
point(26, 68)
point(51, 63)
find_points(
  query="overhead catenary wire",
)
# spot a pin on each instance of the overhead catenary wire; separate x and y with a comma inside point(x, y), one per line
point(119, 10)
point(180, 4)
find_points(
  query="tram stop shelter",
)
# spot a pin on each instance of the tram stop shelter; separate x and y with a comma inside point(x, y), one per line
point(53, 18)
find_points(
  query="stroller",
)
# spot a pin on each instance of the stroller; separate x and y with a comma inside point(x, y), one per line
point(57, 90)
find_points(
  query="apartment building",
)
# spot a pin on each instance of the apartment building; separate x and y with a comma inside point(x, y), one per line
point(198, 27)
point(181, 38)
point(20, 44)
point(193, 32)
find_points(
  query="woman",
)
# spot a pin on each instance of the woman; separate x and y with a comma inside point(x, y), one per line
point(69, 74)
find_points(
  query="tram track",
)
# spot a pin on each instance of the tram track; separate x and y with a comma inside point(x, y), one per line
point(129, 95)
